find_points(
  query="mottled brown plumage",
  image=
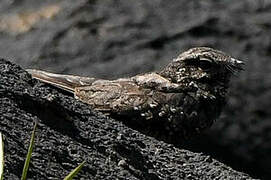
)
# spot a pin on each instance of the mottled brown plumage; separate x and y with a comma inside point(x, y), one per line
point(173, 104)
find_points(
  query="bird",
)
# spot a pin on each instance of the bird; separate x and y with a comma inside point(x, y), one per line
point(173, 104)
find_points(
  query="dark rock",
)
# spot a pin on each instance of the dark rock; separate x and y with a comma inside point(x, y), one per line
point(69, 132)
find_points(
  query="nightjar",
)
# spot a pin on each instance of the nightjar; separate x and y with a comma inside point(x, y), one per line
point(173, 104)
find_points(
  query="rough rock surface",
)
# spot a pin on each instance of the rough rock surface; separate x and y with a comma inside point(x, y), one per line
point(69, 132)
point(108, 39)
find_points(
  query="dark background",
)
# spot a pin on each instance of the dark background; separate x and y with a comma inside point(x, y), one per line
point(116, 38)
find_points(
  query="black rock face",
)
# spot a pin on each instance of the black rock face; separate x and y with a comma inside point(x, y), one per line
point(109, 39)
point(69, 132)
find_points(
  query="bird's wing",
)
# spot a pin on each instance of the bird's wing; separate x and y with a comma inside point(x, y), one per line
point(119, 96)
point(66, 82)
point(157, 82)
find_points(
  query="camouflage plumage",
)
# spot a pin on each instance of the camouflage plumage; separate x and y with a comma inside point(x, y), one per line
point(173, 104)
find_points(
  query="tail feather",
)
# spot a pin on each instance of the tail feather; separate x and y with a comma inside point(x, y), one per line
point(66, 82)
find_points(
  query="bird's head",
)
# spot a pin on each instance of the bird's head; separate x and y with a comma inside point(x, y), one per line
point(202, 64)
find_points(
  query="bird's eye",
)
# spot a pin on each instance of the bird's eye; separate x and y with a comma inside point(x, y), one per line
point(205, 65)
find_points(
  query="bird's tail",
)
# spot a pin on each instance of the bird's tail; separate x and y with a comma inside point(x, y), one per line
point(66, 82)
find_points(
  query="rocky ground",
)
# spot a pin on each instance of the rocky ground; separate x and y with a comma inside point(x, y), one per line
point(115, 38)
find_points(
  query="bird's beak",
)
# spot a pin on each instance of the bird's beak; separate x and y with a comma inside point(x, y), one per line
point(238, 63)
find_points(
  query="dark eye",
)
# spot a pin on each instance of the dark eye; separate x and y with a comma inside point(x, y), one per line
point(205, 65)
